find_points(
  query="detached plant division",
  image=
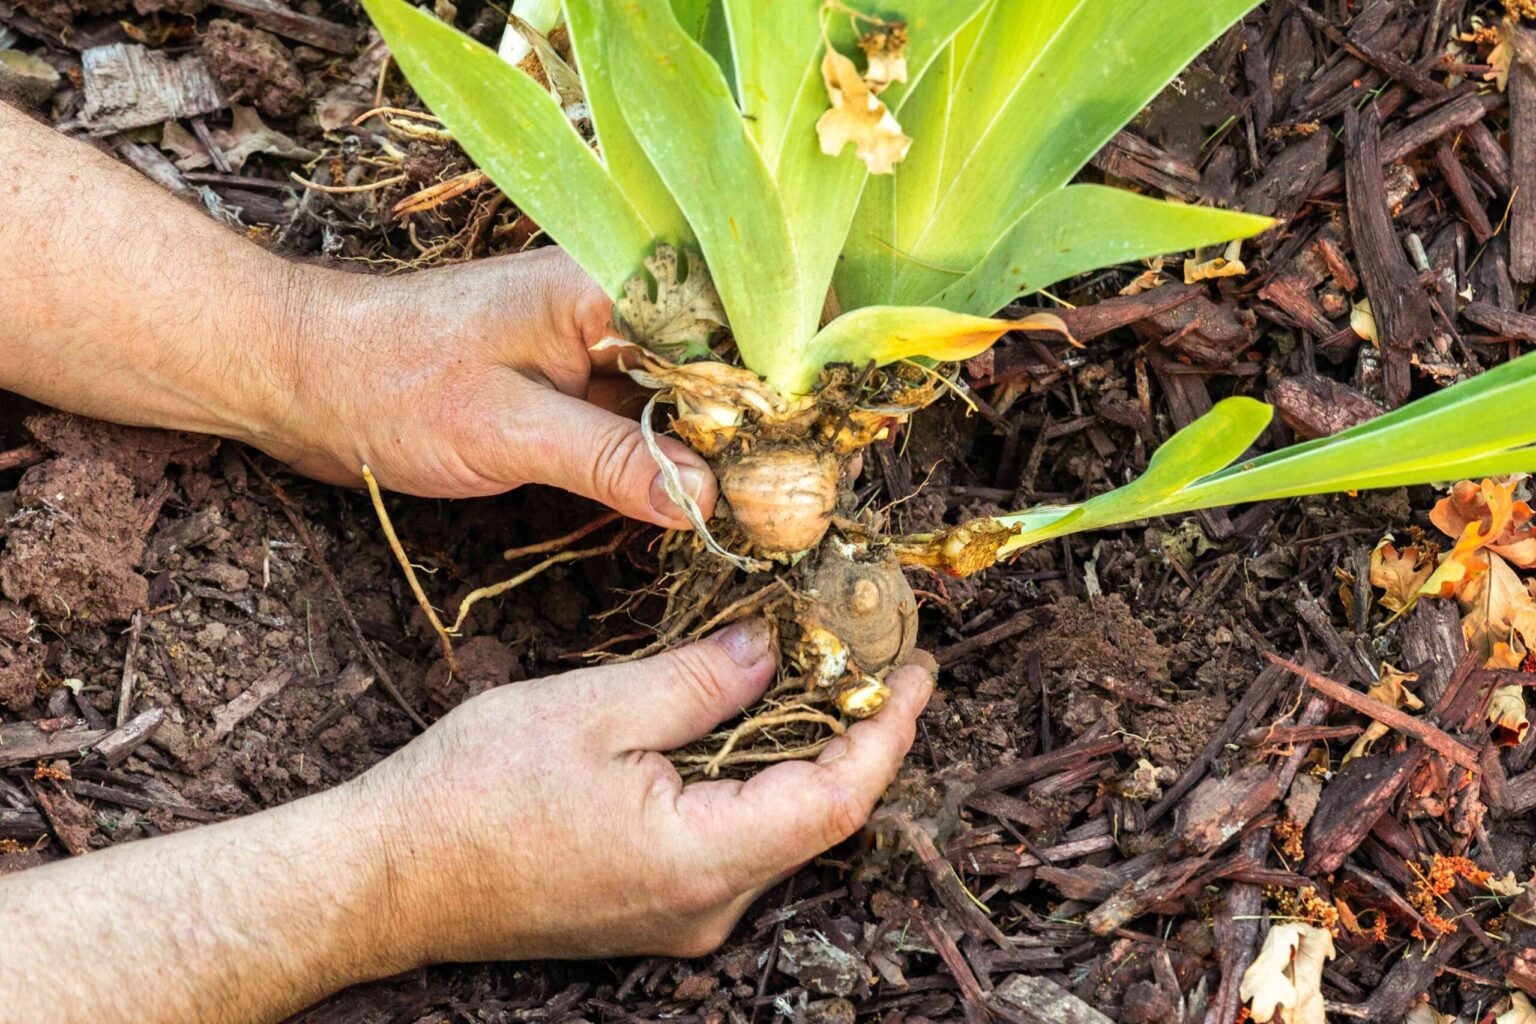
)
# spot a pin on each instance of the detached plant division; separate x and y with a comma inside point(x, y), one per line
point(806, 212)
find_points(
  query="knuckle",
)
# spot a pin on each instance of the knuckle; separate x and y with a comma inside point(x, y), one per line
point(696, 672)
point(617, 448)
point(845, 814)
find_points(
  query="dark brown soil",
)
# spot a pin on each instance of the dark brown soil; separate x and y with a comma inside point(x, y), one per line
point(1089, 687)
point(254, 67)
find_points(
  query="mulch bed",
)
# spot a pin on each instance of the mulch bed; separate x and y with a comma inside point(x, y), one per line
point(1103, 802)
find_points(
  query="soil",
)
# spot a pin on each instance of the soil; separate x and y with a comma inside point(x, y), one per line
point(1104, 700)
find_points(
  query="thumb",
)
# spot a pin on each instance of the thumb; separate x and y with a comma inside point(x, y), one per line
point(569, 443)
point(670, 700)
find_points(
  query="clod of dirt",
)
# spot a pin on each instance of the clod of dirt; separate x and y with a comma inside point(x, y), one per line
point(74, 542)
point(253, 66)
point(140, 453)
point(1095, 639)
point(15, 624)
point(57, 14)
point(485, 662)
point(20, 668)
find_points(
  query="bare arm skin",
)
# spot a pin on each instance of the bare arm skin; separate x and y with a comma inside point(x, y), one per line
point(123, 303)
point(536, 820)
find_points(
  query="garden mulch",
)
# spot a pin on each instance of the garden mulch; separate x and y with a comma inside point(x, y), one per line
point(1102, 803)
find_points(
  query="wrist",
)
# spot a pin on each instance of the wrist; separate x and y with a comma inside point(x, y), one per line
point(289, 402)
point(355, 888)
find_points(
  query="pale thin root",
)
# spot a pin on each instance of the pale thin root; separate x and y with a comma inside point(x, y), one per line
point(685, 617)
point(410, 570)
point(672, 483)
point(337, 190)
point(741, 757)
point(376, 111)
point(714, 762)
point(560, 542)
point(497, 589)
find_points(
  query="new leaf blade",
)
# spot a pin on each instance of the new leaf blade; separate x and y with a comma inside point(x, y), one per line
point(1081, 228)
point(1476, 428)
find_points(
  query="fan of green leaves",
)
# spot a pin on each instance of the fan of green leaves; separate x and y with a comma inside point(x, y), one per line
point(705, 114)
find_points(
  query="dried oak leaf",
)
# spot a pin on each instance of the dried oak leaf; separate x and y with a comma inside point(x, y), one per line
point(1497, 608)
point(1506, 710)
point(1484, 504)
point(858, 116)
point(1423, 1013)
point(1519, 1011)
point(1389, 688)
point(1284, 983)
point(1363, 322)
point(248, 135)
point(1399, 574)
point(1506, 887)
point(1467, 559)
point(686, 312)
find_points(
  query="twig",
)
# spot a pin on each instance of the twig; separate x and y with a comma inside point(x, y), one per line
point(20, 458)
point(385, 679)
point(560, 542)
point(1437, 740)
point(125, 689)
point(410, 571)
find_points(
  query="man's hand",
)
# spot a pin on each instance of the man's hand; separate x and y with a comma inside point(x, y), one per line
point(126, 304)
point(539, 820)
point(465, 381)
point(535, 820)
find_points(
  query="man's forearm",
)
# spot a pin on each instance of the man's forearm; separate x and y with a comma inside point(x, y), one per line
point(125, 303)
point(249, 920)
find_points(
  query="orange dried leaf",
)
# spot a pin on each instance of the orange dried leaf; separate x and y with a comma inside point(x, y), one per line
point(1497, 607)
point(1492, 506)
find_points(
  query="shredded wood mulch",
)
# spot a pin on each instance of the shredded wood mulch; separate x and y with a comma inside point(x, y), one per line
point(1132, 771)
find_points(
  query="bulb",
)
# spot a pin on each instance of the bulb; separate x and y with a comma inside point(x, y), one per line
point(782, 498)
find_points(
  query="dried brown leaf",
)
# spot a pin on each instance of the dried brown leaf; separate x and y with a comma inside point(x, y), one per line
point(858, 116)
point(1284, 983)
point(1399, 574)
point(686, 312)
point(1389, 688)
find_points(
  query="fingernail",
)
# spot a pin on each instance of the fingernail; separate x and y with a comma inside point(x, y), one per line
point(694, 480)
point(746, 642)
point(833, 750)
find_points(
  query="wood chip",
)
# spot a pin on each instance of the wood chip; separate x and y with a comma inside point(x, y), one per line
point(129, 86)
point(279, 18)
point(1028, 999)
point(1436, 739)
